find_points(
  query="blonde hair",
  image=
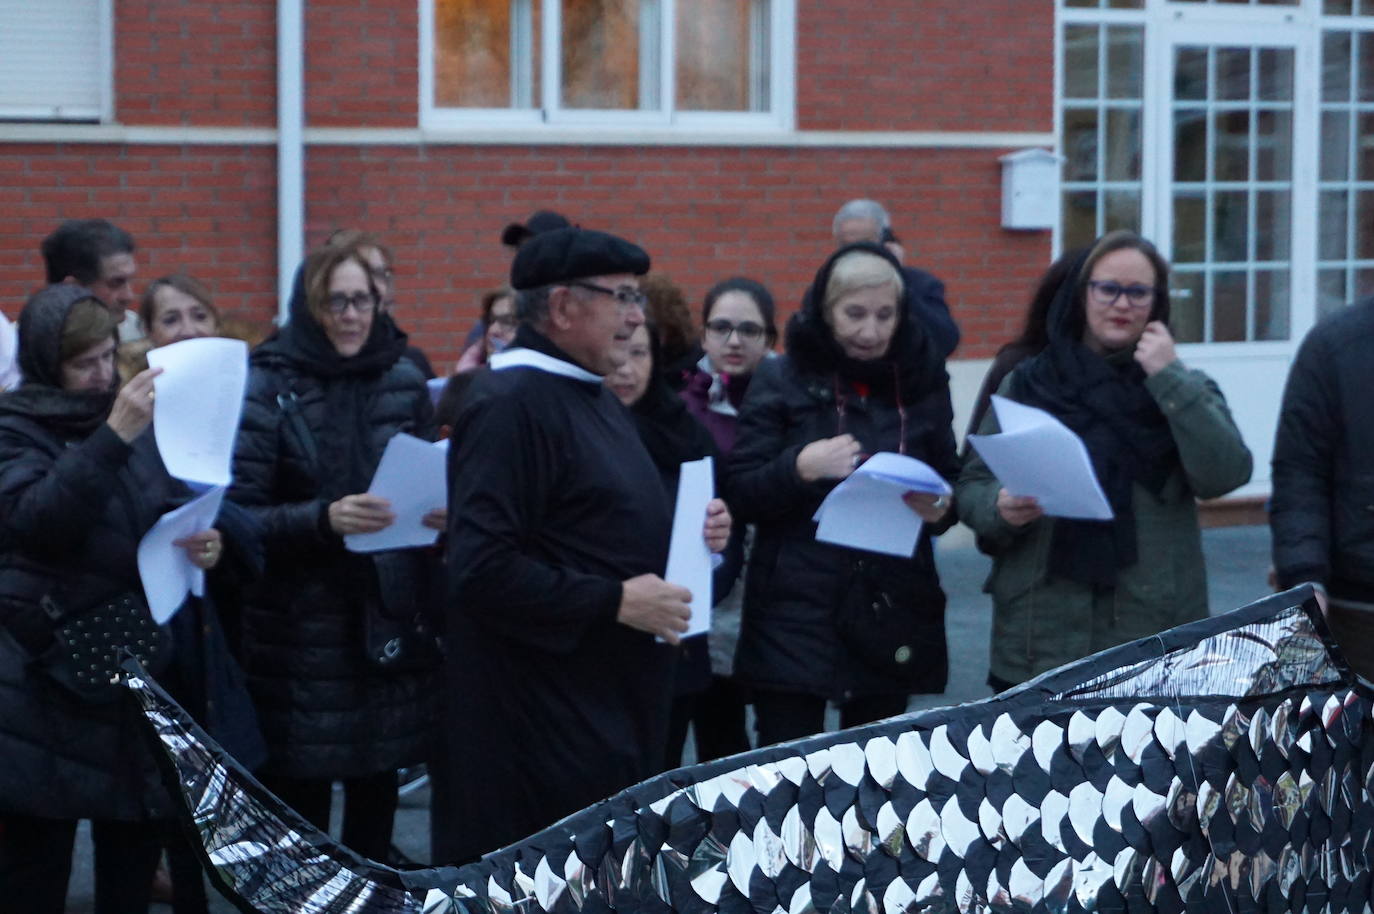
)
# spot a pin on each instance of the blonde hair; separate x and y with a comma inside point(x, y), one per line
point(860, 270)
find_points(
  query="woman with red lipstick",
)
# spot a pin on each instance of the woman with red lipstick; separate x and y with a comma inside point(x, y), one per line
point(858, 376)
point(1159, 436)
point(337, 699)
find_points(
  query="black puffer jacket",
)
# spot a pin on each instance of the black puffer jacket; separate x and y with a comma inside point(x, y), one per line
point(789, 640)
point(75, 501)
point(1322, 511)
point(326, 710)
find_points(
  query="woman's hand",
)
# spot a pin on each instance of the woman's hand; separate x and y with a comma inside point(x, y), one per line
point(1018, 510)
point(829, 458)
point(133, 408)
point(203, 549)
point(1154, 351)
point(360, 514)
point(718, 522)
point(931, 508)
point(437, 519)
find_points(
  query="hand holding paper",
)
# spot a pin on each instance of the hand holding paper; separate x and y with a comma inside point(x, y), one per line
point(412, 481)
point(198, 404)
point(1035, 454)
point(869, 510)
point(166, 569)
point(689, 557)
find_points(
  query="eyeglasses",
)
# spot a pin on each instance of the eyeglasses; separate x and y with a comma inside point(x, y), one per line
point(1106, 292)
point(505, 321)
point(362, 302)
point(625, 296)
point(749, 332)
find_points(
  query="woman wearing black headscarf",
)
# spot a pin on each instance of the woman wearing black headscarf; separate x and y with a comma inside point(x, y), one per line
point(81, 482)
point(823, 621)
point(1160, 437)
point(335, 642)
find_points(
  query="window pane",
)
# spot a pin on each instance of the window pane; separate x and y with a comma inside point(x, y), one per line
point(1364, 285)
point(1080, 144)
point(1233, 74)
point(1336, 67)
point(473, 64)
point(1190, 144)
point(1332, 212)
point(1330, 291)
point(1230, 226)
point(1365, 77)
point(1186, 297)
point(1337, 7)
point(1335, 146)
point(722, 55)
point(1232, 146)
point(1275, 74)
point(610, 54)
point(1190, 74)
point(1190, 226)
point(1274, 146)
point(1364, 225)
point(1080, 61)
point(1121, 210)
point(1364, 148)
point(1125, 61)
point(1228, 306)
point(1123, 145)
point(1080, 218)
point(1272, 300)
point(1273, 223)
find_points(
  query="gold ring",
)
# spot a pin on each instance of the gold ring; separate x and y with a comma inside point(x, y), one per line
point(152, 394)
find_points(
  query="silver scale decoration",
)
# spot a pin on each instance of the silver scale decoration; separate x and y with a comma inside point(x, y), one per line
point(1228, 771)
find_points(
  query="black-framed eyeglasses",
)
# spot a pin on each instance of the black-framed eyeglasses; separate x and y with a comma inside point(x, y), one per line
point(748, 331)
point(625, 296)
point(362, 302)
point(1107, 291)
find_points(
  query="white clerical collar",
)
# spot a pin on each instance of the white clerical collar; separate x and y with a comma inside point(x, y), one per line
point(532, 358)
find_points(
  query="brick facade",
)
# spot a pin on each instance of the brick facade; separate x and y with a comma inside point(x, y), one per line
point(703, 212)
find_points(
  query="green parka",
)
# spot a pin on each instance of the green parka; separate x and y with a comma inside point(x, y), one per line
point(1042, 621)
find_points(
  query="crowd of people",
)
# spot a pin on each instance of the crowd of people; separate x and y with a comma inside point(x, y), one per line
point(535, 658)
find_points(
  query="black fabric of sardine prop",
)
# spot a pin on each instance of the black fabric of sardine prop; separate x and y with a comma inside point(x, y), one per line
point(1226, 765)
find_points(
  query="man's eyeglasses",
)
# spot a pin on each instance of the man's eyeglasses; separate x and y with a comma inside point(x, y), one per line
point(1106, 292)
point(748, 331)
point(625, 296)
point(362, 302)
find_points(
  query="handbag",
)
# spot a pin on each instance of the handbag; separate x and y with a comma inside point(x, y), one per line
point(882, 633)
point(86, 657)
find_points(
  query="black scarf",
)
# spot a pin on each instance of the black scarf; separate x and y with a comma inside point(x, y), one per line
point(1104, 400)
point(344, 442)
point(911, 368)
point(72, 414)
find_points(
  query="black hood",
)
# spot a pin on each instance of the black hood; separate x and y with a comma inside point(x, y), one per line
point(912, 357)
point(40, 397)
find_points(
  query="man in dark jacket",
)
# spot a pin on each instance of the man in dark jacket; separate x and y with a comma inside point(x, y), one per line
point(1322, 513)
point(558, 531)
point(867, 220)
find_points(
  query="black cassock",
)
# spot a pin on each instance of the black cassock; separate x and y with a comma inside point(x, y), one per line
point(550, 704)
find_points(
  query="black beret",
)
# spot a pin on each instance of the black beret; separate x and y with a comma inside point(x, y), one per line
point(566, 254)
point(545, 220)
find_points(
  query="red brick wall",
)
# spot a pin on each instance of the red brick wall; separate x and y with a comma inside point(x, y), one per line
point(925, 65)
point(362, 63)
point(703, 214)
point(208, 210)
point(193, 62)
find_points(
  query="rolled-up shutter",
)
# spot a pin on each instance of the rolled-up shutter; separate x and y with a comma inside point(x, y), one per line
point(52, 59)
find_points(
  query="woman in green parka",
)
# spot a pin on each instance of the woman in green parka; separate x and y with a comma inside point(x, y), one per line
point(1160, 437)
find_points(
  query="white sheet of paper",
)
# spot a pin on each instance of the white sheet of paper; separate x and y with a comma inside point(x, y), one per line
point(166, 570)
point(412, 476)
point(1036, 454)
point(689, 558)
point(866, 510)
point(196, 411)
point(435, 386)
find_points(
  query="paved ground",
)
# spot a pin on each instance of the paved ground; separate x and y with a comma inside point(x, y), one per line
point(1238, 561)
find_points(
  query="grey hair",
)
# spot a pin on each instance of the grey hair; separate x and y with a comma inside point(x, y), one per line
point(869, 210)
point(532, 305)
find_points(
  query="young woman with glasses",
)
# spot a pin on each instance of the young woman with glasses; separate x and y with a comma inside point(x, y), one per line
point(1160, 437)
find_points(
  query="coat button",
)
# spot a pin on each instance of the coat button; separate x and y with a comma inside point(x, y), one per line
point(902, 655)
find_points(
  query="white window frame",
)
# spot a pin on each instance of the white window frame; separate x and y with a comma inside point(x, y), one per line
point(103, 110)
point(549, 113)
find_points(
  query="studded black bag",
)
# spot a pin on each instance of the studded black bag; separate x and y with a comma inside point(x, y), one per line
point(85, 660)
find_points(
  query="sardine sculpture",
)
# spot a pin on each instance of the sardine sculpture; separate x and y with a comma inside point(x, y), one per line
point(1224, 766)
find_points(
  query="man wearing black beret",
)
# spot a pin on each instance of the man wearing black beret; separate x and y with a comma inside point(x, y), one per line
point(558, 681)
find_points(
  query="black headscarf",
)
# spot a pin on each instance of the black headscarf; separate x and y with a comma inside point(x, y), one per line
point(1104, 400)
point(670, 433)
point(72, 413)
point(344, 441)
point(912, 366)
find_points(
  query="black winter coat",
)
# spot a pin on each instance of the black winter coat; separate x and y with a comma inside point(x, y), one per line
point(1322, 512)
point(73, 513)
point(326, 710)
point(789, 641)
